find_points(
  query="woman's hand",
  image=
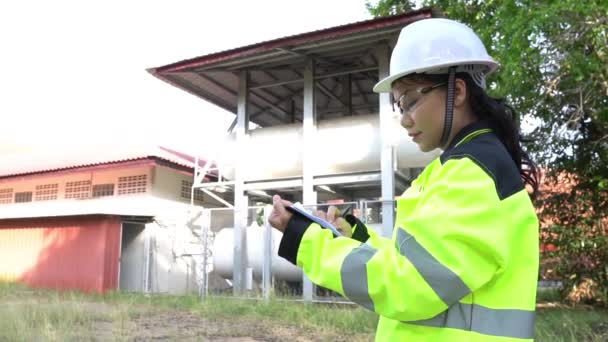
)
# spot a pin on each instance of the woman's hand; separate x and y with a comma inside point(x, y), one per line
point(333, 216)
point(279, 217)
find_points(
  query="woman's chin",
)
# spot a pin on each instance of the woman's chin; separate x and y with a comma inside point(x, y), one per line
point(424, 147)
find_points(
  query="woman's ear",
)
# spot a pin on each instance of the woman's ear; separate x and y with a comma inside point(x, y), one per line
point(460, 92)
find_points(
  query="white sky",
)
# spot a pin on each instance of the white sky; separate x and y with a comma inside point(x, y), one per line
point(73, 72)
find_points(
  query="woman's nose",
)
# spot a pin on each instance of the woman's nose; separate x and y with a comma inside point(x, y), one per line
point(406, 121)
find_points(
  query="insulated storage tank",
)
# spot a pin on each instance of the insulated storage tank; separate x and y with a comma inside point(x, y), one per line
point(344, 145)
point(223, 249)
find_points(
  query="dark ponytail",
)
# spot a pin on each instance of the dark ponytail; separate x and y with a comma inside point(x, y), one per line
point(505, 123)
point(503, 120)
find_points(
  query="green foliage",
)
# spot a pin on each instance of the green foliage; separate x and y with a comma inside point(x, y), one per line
point(582, 262)
point(389, 7)
point(554, 71)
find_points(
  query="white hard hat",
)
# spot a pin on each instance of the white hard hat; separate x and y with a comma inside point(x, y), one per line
point(431, 46)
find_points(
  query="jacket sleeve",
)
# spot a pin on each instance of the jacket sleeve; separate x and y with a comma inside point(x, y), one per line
point(451, 244)
point(362, 233)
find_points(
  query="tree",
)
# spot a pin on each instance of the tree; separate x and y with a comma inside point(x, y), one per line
point(389, 7)
point(554, 71)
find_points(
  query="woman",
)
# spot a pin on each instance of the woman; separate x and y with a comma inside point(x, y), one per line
point(463, 260)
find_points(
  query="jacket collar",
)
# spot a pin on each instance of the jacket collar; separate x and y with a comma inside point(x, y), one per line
point(469, 132)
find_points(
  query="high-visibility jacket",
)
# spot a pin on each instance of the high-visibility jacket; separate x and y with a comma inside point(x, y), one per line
point(462, 264)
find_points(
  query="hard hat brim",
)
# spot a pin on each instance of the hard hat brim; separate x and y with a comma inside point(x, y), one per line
point(385, 84)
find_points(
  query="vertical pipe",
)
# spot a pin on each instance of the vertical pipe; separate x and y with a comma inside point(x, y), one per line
point(308, 134)
point(347, 96)
point(194, 182)
point(119, 255)
point(146, 275)
point(240, 199)
point(206, 225)
point(267, 261)
point(386, 154)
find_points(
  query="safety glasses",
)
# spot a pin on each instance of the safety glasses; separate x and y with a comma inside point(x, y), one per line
point(406, 106)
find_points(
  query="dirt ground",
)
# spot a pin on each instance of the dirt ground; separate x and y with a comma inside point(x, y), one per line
point(183, 326)
point(153, 324)
point(49, 317)
point(170, 326)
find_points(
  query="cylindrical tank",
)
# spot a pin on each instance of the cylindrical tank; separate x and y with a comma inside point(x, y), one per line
point(344, 145)
point(222, 252)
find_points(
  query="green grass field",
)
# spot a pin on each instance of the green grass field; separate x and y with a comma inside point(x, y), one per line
point(38, 315)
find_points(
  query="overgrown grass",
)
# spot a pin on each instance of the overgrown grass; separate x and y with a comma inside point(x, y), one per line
point(561, 325)
point(25, 318)
point(548, 295)
point(29, 315)
point(51, 322)
point(340, 318)
point(38, 315)
point(346, 319)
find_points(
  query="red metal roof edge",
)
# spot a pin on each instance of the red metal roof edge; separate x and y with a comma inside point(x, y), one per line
point(147, 157)
point(153, 72)
point(79, 167)
point(184, 156)
point(48, 219)
point(295, 40)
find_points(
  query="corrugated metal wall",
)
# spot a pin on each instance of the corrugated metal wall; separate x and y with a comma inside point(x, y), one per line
point(79, 252)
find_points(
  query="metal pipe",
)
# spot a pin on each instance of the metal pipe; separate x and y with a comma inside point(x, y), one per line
point(275, 84)
point(346, 72)
point(147, 251)
point(386, 152)
point(217, 198)
point(316, 77)
point(309, 127)
point(267, 263)
point(240, 199)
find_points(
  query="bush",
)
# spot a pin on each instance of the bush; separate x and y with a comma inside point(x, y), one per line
point(582, 263)
point(574, 234)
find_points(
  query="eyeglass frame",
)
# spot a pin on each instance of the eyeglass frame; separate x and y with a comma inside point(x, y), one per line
point(422, 91)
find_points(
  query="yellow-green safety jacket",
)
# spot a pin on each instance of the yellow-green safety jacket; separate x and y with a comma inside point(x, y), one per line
point(462, 264)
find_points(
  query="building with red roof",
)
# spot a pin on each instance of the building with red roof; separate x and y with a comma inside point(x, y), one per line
point(99, 219)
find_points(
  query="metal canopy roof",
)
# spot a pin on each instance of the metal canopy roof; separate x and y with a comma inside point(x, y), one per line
point(345, 71)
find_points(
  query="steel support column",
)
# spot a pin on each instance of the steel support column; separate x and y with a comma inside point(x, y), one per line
point(240, 199)
point(308, 133)
point(387, 155)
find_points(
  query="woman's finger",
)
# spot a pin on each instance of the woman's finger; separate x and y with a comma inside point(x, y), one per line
point(278, 205)
point(332, 213)
point(343, 226)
